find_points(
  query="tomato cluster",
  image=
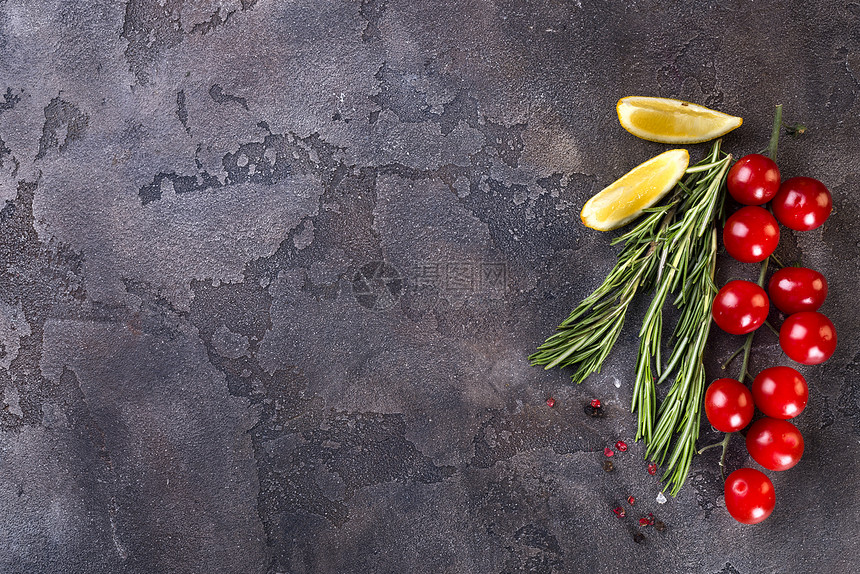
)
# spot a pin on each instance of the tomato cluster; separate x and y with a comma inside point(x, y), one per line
point(751, 234)
point(773, 442)
point(806, 336)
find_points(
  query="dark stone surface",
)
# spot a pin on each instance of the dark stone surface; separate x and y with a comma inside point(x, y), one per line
point(272, 271)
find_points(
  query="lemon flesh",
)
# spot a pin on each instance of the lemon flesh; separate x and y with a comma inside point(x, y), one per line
point(640, 188)
point(673, 121)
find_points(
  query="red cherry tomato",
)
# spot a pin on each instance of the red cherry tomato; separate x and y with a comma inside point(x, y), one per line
point(751, 234)
point(808, 337)
point(740, 307)
point(728, 405)
point(753, 180)
point(795, 289)
point(775, 444)
point(750, 497)
point(802, 203)
point(780, 392)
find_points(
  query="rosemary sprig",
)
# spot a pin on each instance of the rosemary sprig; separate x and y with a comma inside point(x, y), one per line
point(680, 411)
point(690, 257)
point(586, 337)
point(672, 250)
point(677, 271)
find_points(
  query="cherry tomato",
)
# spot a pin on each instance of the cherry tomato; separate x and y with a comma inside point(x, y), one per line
point(751, 234)
point(802, 203)
point(740, 307)
point(728, 405)
point(780, 392)
point(753, 180)
point(775, 444)
point(808, 337)
point(794, 289)
point(750, 497)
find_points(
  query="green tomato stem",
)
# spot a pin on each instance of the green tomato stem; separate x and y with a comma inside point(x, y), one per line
point(773, 329)
point(749, 341)
point(731, 358)
point(774, 135)
point(725, 448)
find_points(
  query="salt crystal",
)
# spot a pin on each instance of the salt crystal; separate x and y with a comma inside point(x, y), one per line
point(661, 498)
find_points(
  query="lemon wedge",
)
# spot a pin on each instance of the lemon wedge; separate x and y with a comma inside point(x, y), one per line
point(672, 121)
point(638, 189)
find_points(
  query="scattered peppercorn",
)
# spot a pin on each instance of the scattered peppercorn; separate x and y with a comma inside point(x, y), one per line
point(659, 526)
point(608, 466)
point(639, 538)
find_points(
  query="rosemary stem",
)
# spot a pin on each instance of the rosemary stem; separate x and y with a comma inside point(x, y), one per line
point(705, 167)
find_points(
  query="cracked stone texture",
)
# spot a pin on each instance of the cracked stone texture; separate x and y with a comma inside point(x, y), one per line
point(271, 273)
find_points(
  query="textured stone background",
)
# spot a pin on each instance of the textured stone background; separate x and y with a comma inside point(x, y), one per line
point(192, 378)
